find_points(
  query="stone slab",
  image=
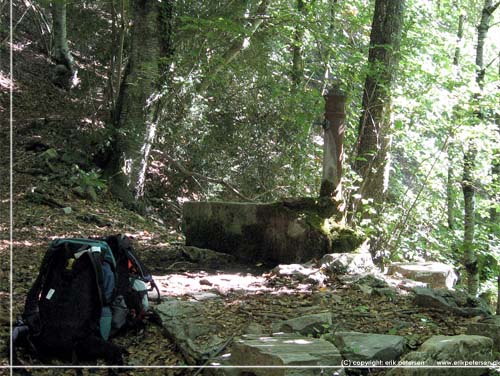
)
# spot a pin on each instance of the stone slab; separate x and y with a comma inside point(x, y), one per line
point(435, 274)
point(273, 233)
point(368, 346)
point(186, 325)
point(285, 350)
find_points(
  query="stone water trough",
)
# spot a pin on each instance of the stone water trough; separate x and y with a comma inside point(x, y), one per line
point(273, 233)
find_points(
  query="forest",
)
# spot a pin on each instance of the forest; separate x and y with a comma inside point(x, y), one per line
point(329, 169)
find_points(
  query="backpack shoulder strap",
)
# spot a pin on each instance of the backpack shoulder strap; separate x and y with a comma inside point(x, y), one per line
point(31, 313)
point(95, 261)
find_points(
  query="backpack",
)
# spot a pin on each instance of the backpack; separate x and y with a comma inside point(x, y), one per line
point(70, 309)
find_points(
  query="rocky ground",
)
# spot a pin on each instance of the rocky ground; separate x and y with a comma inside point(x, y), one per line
point(231, 298)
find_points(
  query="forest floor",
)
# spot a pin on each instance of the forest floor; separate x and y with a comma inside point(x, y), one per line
point(47, 117)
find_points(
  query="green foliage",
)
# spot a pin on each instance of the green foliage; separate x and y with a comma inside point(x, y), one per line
point(243, 121)
point(87, 184)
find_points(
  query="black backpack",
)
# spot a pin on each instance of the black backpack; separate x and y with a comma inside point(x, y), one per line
point(64, 306)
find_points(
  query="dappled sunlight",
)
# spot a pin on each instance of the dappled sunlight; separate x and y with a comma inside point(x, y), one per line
point(6, 82)
point(221, 283)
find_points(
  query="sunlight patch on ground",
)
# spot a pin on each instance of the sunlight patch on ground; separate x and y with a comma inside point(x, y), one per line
point(221, 283)
point(20, 46)
point(5, 81)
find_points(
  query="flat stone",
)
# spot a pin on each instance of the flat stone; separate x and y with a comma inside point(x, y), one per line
point(184, 323)
point(367, 346)
point(489, 327)
point(306, 325)
point(348, 263)
point(435, 274)
point(457, 303)
point(447, 348)
point(285, 350)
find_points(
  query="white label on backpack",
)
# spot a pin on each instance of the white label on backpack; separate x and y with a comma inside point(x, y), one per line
point(96, 249)
point(50, 293)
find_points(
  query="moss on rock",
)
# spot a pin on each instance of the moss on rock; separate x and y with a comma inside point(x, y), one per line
point(280, 232)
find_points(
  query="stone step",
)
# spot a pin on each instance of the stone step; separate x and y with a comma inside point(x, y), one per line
point(285, 350)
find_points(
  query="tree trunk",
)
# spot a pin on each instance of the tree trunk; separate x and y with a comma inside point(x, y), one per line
point(495, 198)
point(374, 127)
point(297, 61)
point(470, 257)
point(450, 196)
point(62, 56)
point(482, 32)
point(137, 109)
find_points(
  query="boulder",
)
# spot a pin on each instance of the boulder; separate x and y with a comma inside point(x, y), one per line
point(348, 263)
point(488, 327)
point(273, 233)
point(438, 349)
point(455, 302)
point(185, 323)
point(367, 346)
point(284, 350)
point(308, 325)
point(435, 274)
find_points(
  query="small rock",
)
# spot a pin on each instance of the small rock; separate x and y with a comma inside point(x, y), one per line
point(67, 210)
point(206, 282)
point(306, 325)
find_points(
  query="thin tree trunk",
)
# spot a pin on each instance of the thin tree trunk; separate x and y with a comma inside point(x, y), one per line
point(373, 144)
point(119, 59)
point(62, 55)
point(470, 257)
point(450, 196)
point(482, 32)
point(495, 198)
point(297, 60)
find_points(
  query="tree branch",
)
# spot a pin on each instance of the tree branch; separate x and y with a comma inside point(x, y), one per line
point(183, 170)
point(237, 46)
point(492, 8)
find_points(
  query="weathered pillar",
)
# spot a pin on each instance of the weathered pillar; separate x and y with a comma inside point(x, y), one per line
point(333, 147)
